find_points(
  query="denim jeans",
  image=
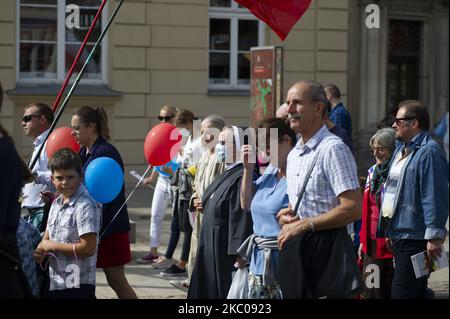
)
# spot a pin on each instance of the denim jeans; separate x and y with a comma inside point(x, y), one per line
point(405, 285)
point(174, 229)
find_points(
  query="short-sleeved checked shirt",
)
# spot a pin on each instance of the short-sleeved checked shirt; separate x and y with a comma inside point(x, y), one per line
point(334, 173)
point(66, 224)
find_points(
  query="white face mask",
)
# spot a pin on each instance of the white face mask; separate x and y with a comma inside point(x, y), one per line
point(221, 153)
point(185, 133)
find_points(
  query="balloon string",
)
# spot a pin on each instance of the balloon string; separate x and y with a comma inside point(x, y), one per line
point(48, 261)
point(129, 196)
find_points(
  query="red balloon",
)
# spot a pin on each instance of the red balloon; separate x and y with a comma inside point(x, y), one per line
point(61, 138)
point(162, 144)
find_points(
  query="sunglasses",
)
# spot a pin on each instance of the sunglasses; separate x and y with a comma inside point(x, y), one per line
point(165, 118)
point(398, 121)
point(28, 118)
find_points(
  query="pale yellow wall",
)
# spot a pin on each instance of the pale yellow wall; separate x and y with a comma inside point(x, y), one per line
point(317, 47)
point(174, 35)
point(7, 60)
point(158, 54)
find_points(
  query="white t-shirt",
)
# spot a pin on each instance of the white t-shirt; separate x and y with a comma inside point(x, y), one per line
point(392, 183)
point(190, 153)
point(31, 191)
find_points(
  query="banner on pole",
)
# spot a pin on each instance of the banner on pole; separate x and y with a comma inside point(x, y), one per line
point(266, 85)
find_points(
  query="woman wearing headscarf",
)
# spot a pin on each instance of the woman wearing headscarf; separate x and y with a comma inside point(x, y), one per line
point(374, 250)
point(207, 170)
point(224, 227)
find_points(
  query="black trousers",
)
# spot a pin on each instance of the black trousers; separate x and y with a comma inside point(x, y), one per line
point(83, 292)
point(13, 282)
point(186, 228)
point(386, 273)
point(405, 285)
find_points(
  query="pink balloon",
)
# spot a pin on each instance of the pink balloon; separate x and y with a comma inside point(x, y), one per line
point(59, 139)
point(162, 144)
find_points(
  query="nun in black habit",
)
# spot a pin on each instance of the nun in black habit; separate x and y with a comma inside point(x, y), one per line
point(224, 227)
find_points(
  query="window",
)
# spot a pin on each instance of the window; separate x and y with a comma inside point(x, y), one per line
point(47, 48)
point(233, 30)
point(404, 62)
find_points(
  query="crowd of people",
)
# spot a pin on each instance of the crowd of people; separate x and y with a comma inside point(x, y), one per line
point(287, 207)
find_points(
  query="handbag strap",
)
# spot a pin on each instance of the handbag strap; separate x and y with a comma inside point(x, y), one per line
point(302, 190)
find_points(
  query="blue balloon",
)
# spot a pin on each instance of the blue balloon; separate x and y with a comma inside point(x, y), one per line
point(167, 169)
point(104, 179)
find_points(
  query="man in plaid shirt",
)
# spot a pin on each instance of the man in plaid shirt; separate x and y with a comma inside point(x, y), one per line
point(331, 199)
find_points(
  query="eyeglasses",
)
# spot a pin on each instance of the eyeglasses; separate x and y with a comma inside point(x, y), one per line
point(28, 118)
point(402, 119)
point(165, 118)
point(377, 150)
point(78, 128)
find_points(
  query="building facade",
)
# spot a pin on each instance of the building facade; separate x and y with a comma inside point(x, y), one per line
point(194, 54)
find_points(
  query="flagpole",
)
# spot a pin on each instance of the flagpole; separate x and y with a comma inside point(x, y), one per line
point(77, 58)
point(74, 85)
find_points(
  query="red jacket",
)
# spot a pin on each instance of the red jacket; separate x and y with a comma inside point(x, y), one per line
point(382, 252)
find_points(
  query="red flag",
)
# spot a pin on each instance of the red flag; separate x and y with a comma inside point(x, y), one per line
point(280, 15)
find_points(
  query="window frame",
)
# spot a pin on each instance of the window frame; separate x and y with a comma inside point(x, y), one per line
point(234, 14)
point(61, 47)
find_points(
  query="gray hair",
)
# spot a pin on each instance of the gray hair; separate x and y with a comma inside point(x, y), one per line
point(215, 120)
point(385, 137)
point(316, 91)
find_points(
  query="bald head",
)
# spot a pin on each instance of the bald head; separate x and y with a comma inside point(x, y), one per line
point(214, 120)
point(210, 130)
point(314, 90)
point(306, 103)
